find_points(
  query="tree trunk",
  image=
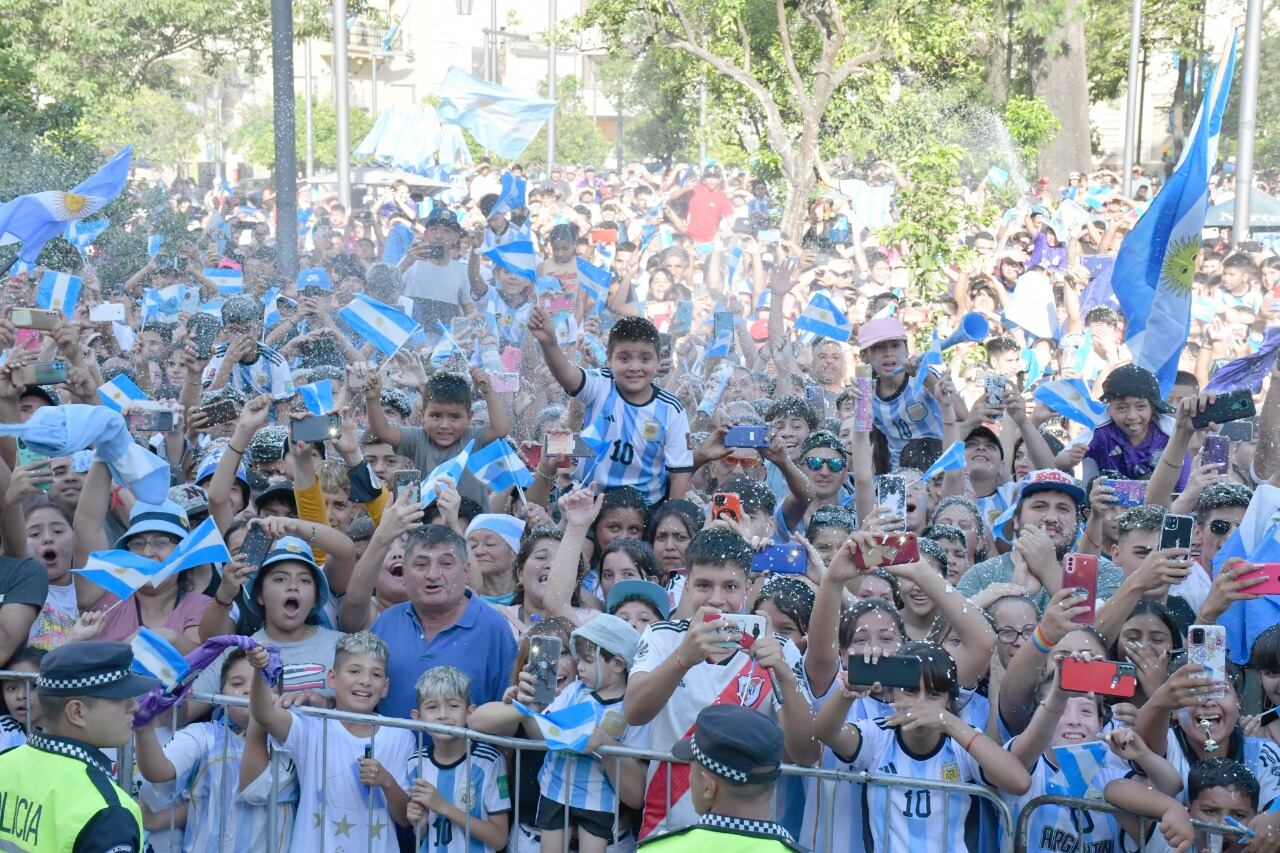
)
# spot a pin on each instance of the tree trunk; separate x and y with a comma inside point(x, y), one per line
point(1059, 76)
point(1178, 111)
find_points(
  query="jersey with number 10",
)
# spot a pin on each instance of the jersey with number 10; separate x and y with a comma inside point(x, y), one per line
point(906, 416)
point(645, 443)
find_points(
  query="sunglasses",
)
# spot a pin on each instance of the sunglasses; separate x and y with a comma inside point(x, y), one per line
point(1221, 527)
point(815, 463)
point(740, 461)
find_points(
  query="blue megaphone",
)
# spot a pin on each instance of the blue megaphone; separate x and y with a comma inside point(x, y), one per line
point(973, 327)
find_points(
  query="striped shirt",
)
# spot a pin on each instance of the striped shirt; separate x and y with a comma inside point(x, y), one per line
point(11, 733)
point(645, 443)
point(267, 374)
point(577, 779)
point(906, 416)
point(477, 784)
point(1055, 829)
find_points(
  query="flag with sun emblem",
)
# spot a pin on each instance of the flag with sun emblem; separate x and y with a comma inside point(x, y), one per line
point(34, 219)
point(1156, 262)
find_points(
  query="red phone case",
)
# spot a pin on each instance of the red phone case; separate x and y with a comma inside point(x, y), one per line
point(726, 504)
point(1099, 676)
point(1265, 578)
point(1080, 571)
point(532, 453)
point(892, 549)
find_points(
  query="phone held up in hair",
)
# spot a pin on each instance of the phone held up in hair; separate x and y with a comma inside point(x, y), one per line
point(747, 436)
point(409, 480)
point(1216, 451)
point(1207, 646)
point(1099, 676)
point(220, 412)
point(891, 496)
point(1080, 572)
point(726, 505)
point(889, 671)
point(741, 629)
point(544, 664)
point(1263, 579)
point(1128, 492)
point(35, 318)
point(42, 372)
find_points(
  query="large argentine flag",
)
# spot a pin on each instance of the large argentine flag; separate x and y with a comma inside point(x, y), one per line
point(379, 324)
point(1157, 261)
point(501, 120)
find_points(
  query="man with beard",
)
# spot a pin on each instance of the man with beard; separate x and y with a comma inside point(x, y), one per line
point(1042, 526)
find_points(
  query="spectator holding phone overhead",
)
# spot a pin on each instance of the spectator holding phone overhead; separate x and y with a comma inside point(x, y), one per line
point(438, 283)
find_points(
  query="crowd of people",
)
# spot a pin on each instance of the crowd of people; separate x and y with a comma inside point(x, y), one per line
point(744, 480)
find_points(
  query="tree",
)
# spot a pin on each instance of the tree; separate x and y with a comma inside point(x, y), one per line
point(657, 91)
point(789, 61)
point(163, 131)
point(255, 138)
point(578, 140)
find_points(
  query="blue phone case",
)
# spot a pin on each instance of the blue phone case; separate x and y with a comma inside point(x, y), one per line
point(790, 559)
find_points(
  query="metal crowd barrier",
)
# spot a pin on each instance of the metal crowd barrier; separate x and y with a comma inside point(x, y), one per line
point(1216, 830)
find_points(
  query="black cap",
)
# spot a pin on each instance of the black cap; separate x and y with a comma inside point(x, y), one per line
point(984, 431)
point(282, 490)
point(92, 668)
point(1129, 380)
point(740, 744)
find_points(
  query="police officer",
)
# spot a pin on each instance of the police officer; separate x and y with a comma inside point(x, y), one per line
point(56, 791)
point(735, 759)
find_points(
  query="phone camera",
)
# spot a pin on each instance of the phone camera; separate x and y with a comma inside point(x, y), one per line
point(1197, 636)
point(1171, 524)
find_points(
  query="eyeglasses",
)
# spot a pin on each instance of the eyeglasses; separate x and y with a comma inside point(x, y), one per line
point(139, 544)
point(740, 461)
point(1221, 527)
point(815, 463)
point(1012, 635)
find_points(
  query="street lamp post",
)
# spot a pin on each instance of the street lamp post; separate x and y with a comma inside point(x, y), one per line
point(286, 154)
point(551, 85)
point(340, 101)
point(1248, 121)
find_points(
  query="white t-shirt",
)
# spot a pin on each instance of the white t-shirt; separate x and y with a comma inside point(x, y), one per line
point(56, 618)
point(331, 793)
point(738, 680)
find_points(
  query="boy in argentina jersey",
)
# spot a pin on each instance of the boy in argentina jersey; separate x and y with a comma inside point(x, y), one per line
point(639, 432)
point(922, 740)
point(902, 409)
point(460, 798)
point(682, 667)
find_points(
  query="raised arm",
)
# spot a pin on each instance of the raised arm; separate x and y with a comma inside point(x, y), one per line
point(252, 417)
point(822, 653)
point(1017, 690)
point(356, 612)
point(91, 509)
point(566, 374)
point(262, 707)
point(978, 641)
point(578, 509)
point(499, 425)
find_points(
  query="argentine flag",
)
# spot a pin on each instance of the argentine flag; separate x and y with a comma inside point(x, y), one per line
point(497, 465)
point(931, 358)
point(118, 391)
point(121, 573)
point(1077, 765)
point(569, 729)
point(154, 656)
point(511, 196)
point(80, 234)
point(952, 459)
point(501, 120)
point(451, 468)
point(1070, 398)
point(1157, 261)
point(58, 291)
point(318, 397)
point(271, 303)
point(379, 324)
point(165, 304)
point(154, 244)
point(595, 282)
point(34, 219)
point(230, 282)
point(823, 318)
point(202, 546)
point(517, 257)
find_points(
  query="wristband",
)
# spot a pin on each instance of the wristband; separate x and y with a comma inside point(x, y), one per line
point(1038, 640)
point(222, 603)
point(1165, 460)
point(680, 663)
point(237, 451)
point(976, 734)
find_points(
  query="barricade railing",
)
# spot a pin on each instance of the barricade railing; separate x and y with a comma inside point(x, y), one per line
point(1081, 804)
point(823, 825)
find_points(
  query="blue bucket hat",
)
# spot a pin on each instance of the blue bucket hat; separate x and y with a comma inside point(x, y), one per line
point(285, 550)
point(165, 517)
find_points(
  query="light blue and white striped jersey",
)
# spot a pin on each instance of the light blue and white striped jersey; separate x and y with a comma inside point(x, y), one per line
point(579, 780)
point(905, 416)
point(479, 787)
point(993, 505)
point(11, 733)
point(1055, 829)
point(831, 803)
point(644, 444)
point(220, 817)
point(511, 321)
point(914, 820)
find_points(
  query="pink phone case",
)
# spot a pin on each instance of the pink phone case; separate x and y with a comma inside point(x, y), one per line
point(1265, 578)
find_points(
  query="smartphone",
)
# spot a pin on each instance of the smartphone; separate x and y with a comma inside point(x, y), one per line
point(743, 629)
point(891, 549)
point(1216, 451)
point(532, 453)
point(1264, 579)
point(726, 505)
point(1175, 531)
point(890, 671)
point(817, 400)
point(316, 428)
point(1080, 572)
point(788, 559)
point(220, 412)
point(769, 236)
point(151, 420)
point(433, 253)
point(43, 372)
point(995, 386)
point(558, 443)
point(1099, 676)
point(682, 322)
point(747, 436)
point(544, 662)
point(1266, 718)
point(35, 318)
point(257, 542)
point(107, 312)
point(604, 235)
point(1128, 492)
point(1232, 406)
point(722, 323)
point(1207, 646)
point(411, 480)
point(461, 327)
point(891, 494)
point(1238, 431)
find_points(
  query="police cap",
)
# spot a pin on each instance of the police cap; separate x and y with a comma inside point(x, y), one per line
point(95, 668)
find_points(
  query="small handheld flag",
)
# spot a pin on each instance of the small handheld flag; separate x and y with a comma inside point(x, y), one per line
point(380, 324)
point(120, 573)
point(952, 459)
point(498, 465)
point(451, 468)
point(318, 397)
point(1077, 765)
point(153, 655)
point(202, 546)
point(568, 729)
point(511, 196)
point(824, 319)
point(80, 233)
point(58, 291)
point(118, 391)
point(1070, 398)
